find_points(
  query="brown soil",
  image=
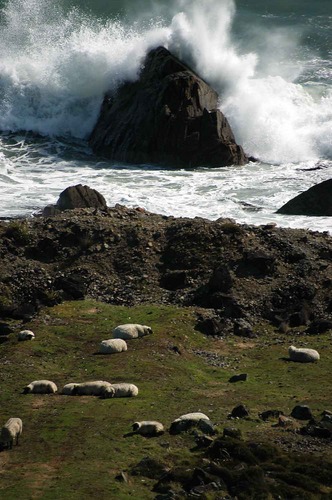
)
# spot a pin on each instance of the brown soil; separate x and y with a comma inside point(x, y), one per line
point(129, 256)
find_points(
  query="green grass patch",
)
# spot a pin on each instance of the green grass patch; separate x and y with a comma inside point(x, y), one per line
point(74, 447)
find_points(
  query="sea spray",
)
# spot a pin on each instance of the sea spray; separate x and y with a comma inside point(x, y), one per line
point(56, 67)
point(273, 73)
point(273, 117)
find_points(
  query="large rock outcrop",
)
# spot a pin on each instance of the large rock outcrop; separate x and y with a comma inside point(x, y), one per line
point(169, 116)
point(316, 201)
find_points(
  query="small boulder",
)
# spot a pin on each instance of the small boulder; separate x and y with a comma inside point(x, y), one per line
point(242, 328)
point(239, 411)
point(316, 431)
point(238, 378)
point(78, 196)
point(221, 280)
point(149, 467)
point(266, 415)
point(5, 329)
point(74, 286)
point(319, 326)
point(301, 412)
point(210, 326)
point(203, 441)
point(232, 432)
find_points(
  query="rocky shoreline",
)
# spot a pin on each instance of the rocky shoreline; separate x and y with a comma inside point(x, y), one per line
point(236, 275)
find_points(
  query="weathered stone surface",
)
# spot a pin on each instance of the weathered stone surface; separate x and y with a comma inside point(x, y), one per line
point(123, 255)
point(232, 432)
point(239, 411)
point(78, 196)
point(238, 378)
point(316, 201)
point(210, 326)
point(169, 116)
point(5, 329)
point(301, 412)
point(274, 414)
point(242, 328)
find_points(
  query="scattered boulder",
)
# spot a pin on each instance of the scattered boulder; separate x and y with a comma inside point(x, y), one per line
point(238, 378)
point(266, 415)
point(149, 467)
point(232, 432)
point(316, 201)
point(316, 431)
point(203, 441)
point(319, 326)
point(74, 286)
point(239, 411)
point(168, 116)
point(174, 280)
point(5, 329)
point(301, 412)
point(256, 263)
point(80, 197)
point(242, 328)
point(210, 326)
point(221, 280)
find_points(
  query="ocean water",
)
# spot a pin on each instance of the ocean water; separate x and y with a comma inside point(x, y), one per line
point(270, 61)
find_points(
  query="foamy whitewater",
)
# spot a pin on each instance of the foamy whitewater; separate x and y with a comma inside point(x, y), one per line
point(270, 65)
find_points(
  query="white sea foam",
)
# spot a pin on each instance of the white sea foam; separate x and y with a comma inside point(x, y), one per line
point(32, 175)
point(55, 68)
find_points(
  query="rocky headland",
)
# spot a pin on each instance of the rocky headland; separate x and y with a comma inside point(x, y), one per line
point(234, 274)
point(225, 302)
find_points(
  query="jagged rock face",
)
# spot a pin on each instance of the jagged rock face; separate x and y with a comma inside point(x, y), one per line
point(316, 201)
point(167, 117)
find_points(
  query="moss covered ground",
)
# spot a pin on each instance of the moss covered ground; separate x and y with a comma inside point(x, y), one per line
point(74, 447)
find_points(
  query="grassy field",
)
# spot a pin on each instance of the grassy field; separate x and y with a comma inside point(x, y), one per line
point(74, 447)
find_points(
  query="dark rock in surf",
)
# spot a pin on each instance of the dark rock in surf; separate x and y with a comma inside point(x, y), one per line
point(76, 197)
point(316, 201)
point(169, 116)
